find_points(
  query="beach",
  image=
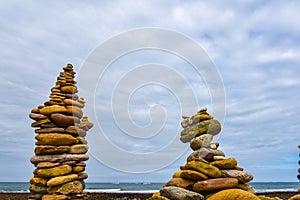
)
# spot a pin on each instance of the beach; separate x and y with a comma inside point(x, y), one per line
point(128, 196)
point(140, 191)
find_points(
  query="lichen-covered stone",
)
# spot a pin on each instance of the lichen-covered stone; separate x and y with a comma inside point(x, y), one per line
point(229, 163)
point(38, 181)
point(211, 126)
point(59, 180)
point(59, 158)
point(81, 140)
point(68, 89)
point(191, 175)
point(82, 175)
point(67, 188)
point(56, 139)
point(78, 169)
point(233, 194)
point(49, 149)
point(73, 102)
point(48, 110)
point(204, 168)
point(54, 171)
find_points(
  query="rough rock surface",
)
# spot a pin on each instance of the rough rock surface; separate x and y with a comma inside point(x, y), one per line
point(216, 184)
point(177, 193)
point(204, 168)
point(205, 153)
point(243, 177)
point(182, 183)
point(233, 194)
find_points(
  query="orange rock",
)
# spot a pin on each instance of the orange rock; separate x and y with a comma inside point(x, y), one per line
point(55, 139)
point(180, 182)
point(204, 168)
point(38, 181)
point(47, 165)
point(229, 163)
point(64, 120)
point(74, 130)
point(40, 122)
point(216, 184)
point(295, 197)
point(48, 110)
point(35, 110)
point(67, 188)
point(73, 110)
point(68, 89)
point(74, 103)
point(49, 149)
point(82, 175)
point(55, 197)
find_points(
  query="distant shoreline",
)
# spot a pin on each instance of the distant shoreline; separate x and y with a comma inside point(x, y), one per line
point(131, 195)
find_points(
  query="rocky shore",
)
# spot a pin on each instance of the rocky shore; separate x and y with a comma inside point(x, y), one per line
point(128, 196)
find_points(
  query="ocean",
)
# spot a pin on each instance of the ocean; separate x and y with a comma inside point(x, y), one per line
point(149, 187)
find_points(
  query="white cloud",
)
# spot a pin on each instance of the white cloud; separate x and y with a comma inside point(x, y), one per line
point(254, 44)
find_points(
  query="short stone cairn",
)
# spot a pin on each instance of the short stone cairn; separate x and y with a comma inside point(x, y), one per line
point(208, 172)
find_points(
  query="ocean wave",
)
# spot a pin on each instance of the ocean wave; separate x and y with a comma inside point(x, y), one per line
point(119, 191)
point(276, 190)
point(14, 191)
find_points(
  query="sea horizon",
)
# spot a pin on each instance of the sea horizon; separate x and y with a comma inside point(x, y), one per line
point(145, 187)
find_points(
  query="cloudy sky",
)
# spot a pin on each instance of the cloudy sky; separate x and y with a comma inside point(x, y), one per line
point(254, 45)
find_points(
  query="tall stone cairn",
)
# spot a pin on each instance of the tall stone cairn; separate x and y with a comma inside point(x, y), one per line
point(61, 147)
point(208, 173)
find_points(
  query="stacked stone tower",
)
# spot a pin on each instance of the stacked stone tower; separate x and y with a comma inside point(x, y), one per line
point(61, 147)
point(208, 170)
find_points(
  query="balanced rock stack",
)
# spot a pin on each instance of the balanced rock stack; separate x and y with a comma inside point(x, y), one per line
point(208, 174)
point(60, 149)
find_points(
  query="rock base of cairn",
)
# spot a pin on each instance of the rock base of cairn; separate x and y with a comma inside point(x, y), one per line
point(61, 147)
point(208, 173)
